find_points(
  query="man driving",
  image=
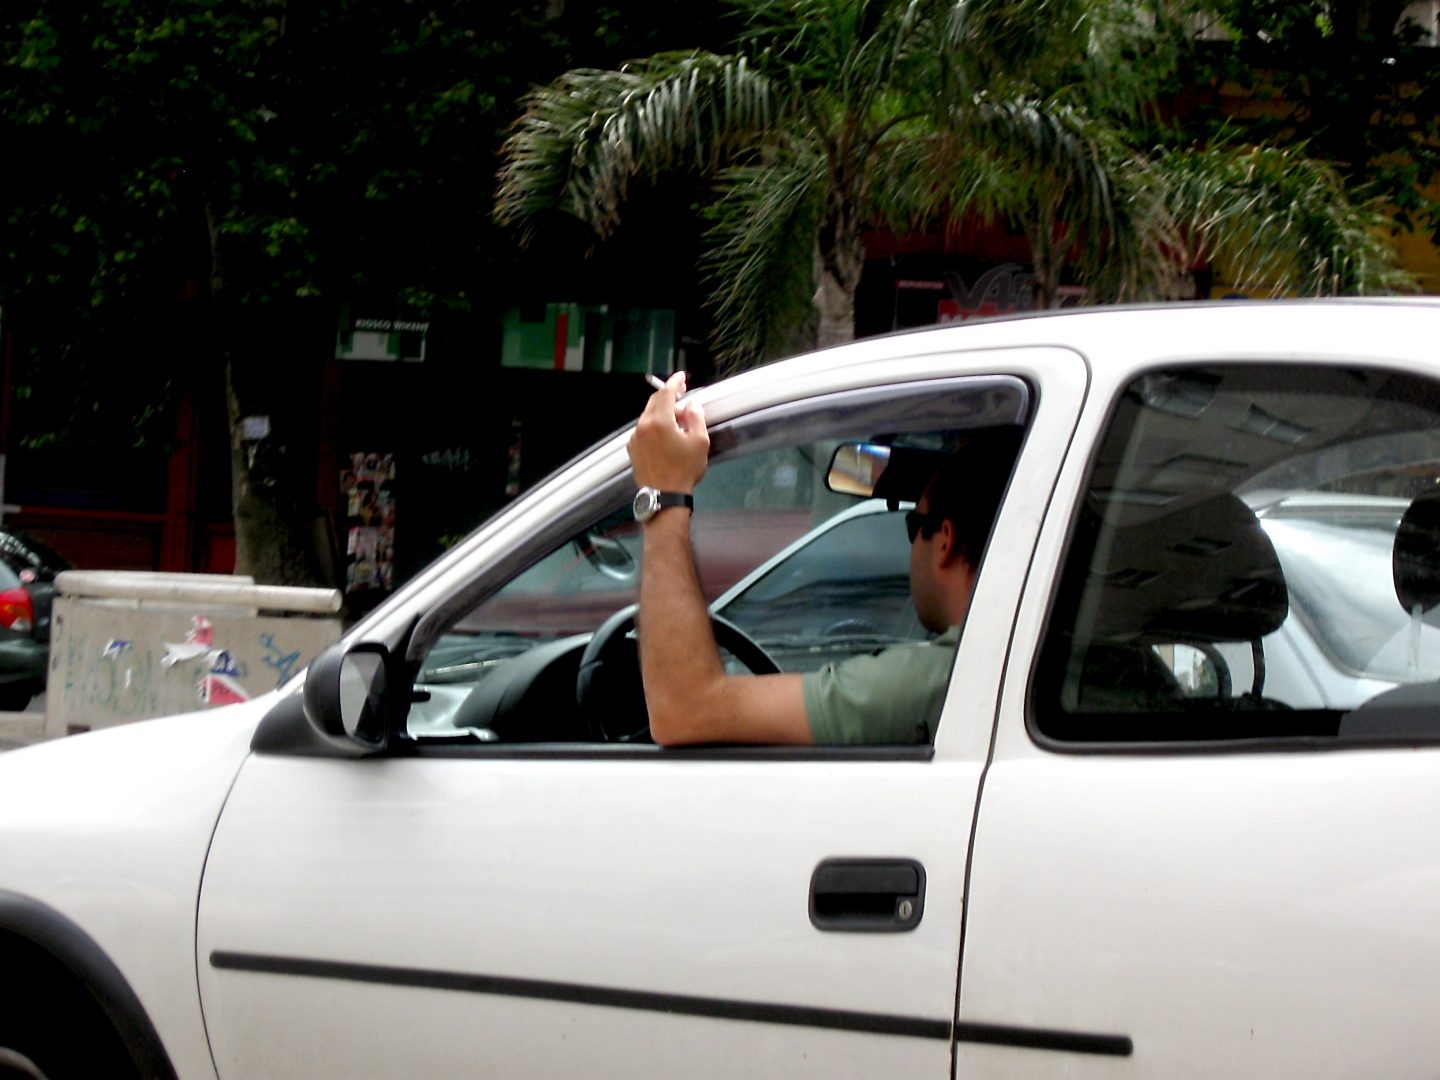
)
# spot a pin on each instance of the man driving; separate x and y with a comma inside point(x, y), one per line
point(893, 696)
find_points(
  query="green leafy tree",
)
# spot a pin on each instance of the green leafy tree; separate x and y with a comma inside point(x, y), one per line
point(1353, 83)
point(831, 117)
point(215, 171)
point(193, 187)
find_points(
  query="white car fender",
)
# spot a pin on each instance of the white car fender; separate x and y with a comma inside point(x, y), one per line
point(104, 848)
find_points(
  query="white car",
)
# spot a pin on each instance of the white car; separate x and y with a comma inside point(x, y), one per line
point(1175, 820)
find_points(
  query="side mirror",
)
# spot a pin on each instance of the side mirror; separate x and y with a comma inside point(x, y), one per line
point(607, 555)
point(348, 694)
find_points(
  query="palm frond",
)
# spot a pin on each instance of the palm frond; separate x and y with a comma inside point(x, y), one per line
point(1063, 175)
point(835, 116)
point(1280, 222)
point(759, 262)
point(582, 139)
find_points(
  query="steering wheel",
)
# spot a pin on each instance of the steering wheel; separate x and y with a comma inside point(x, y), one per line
point(608, 686)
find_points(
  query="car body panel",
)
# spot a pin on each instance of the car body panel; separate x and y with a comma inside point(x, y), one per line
point(23, 660)
point(615, 876)
point(1263, 914)
point(1231, 914)
point(110, 830)
point(624, 876)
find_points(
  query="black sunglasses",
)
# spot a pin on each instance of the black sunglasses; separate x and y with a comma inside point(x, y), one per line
point(915, 522)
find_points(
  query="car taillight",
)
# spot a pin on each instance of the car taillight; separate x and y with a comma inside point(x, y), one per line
point(16, 610)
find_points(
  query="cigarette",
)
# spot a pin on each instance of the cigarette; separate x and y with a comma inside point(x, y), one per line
point(658, 384)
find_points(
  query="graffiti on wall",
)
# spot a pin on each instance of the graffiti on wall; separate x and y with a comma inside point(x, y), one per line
point(97, 678)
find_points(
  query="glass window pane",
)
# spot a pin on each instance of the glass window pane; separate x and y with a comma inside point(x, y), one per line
point(809, 574)
point(1240, 526)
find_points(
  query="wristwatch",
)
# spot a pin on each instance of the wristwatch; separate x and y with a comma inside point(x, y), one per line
point(650, 501)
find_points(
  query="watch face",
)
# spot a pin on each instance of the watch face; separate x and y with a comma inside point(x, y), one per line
point(647, 502)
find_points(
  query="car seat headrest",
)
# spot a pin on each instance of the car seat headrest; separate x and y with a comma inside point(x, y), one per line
point(1205, 572)
point(1416, 560)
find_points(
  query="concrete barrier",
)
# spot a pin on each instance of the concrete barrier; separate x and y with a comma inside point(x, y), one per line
point(129, 646)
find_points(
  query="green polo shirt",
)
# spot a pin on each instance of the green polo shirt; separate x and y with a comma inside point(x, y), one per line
point(892, 696)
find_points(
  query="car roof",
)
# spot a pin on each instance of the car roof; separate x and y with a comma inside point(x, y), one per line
point(1115, 339)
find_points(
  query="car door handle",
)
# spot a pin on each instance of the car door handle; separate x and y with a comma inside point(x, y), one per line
point(867, 895)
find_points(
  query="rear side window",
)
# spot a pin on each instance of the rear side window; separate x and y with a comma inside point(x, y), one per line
point(1257, 557)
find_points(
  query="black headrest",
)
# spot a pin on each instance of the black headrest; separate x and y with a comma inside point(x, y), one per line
point(1416, 561)
point(1203, 573)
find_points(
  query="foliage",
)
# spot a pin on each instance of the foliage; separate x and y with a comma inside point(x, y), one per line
point(255, 158)
point(833, 116)
point(1355, 84)
point(194, 187)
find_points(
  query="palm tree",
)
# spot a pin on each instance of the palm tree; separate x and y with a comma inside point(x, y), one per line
point(836, 116)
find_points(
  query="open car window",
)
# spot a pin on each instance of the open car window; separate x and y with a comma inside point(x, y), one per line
point(1255, 558)
point(807, 574)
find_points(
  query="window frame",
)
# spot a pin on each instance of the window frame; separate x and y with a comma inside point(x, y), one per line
point(932, 403)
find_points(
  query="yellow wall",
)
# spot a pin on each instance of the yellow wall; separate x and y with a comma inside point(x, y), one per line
point(1421, 258)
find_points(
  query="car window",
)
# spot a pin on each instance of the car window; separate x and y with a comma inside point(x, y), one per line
point(843, 588)
point(1254, 558)
point(9, 578)
point(809, 575)
point(21, 551)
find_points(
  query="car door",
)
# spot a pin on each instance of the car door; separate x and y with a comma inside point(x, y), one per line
point(1224, 866)
point(471, 906)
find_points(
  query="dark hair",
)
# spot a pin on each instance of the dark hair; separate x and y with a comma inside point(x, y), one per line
point(969, 486)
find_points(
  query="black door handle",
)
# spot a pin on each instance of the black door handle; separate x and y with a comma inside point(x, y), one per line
point(867, 895)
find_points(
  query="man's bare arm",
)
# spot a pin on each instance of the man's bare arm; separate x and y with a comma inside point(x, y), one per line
point(690, 697)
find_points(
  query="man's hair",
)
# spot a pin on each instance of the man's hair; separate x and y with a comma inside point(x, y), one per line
point(969, 486)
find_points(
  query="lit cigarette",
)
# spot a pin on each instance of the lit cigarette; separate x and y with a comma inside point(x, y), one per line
point(658, 384)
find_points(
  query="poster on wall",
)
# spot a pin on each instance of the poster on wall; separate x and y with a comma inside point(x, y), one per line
point(367, 483)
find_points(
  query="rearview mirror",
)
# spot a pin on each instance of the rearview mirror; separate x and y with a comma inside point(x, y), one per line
point(856, 467)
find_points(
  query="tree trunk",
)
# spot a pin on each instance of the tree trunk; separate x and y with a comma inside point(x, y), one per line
point(270, 404)
point(1045, 260)
point(839, 261)
point(280, 537)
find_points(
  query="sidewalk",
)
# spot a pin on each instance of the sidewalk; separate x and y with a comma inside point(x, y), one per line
point(19, 729)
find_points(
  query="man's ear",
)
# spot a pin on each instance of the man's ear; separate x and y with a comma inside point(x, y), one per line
point(944, 541)
point(948, 547)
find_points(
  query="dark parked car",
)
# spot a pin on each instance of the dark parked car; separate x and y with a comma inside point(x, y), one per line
point(23, 552)
point(28, 568)
point(24, 647)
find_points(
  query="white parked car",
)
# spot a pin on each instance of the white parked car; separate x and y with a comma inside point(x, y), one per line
point(1173, 821)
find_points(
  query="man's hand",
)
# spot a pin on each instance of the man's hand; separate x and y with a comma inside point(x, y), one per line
point(670, 447)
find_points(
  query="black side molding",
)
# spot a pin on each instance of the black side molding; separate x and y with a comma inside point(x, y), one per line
point(1072, 1042)
point(917, 1027)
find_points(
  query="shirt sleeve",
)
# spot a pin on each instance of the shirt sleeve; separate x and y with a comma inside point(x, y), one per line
point(893, 696)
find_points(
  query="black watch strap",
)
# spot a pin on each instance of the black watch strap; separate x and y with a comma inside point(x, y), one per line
point(650, 501)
